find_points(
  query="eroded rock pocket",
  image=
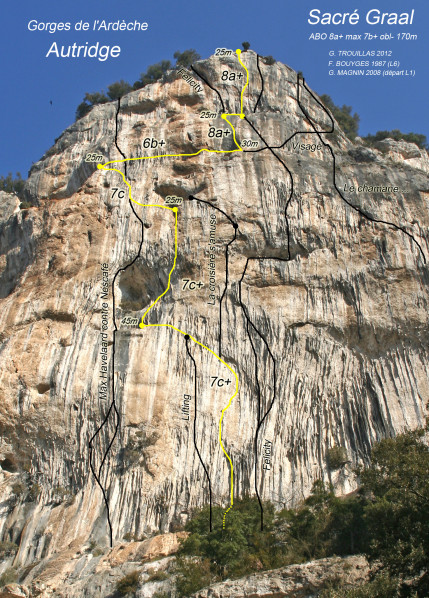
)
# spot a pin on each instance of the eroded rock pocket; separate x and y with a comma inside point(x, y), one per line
point(140, 285)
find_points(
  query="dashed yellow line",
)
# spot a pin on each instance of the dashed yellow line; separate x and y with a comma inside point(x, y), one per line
point(175, 211)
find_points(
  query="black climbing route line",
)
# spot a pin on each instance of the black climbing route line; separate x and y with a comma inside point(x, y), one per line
point(235, 225)
point(258, 387)
point(211, 87)
point(116, 137)
point(262, 419)
point(187, 337)
point(289, 199)
point(250, 325)
point(327, 145)
point(356, 208)
point(113, 407)
point(317, 132)
point(192, 197)
point(307, 132)
point(226, 285)
point(262, 83)
point(249, 322)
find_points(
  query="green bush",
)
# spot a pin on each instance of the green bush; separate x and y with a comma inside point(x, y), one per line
point(33, 492)
point(118, 89)
point(9, 576)
point(241, 546)
point(90, 100)
point(154, 72)
point(159, 575)
point(323, 525)
point(134, 451)
point(129, 537)
point(397, 514)
point(12, 184)
point(95, 549)
point(396, 134)
point(7, 549)
point(387, 519)
point(129, 583)
point(62, 495)
point(186, 58)
point(343, 115)
point(246, 46)
point(19, 489)
point(192, 574)
point(269, 60)
point(337, 457)
point(382, 586)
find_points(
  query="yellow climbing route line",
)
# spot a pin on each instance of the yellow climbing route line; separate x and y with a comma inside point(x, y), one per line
point(247, 82)
point(239, 149)
point(223, 410)
point(171, 271)
point(175, 210)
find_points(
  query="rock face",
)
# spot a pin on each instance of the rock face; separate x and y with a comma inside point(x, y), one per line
point(295, 581)
point(327, 333)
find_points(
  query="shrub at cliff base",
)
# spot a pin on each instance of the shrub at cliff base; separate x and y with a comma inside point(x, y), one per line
point(397, 510)
point(387, 519)
point(322, 526)
point(128, 584)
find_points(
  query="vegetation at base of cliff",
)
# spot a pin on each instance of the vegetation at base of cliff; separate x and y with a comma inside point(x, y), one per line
point(10, 575)
point(153, 73)
point(397, 509)
point(387, 520)
point(336, 457)
point(159, 575)
point(128, 584)
point(7, 549)
point(349, 123)
point(322, 526)
point(381, 586)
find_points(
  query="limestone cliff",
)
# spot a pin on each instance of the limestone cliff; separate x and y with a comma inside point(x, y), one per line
point(328, 337)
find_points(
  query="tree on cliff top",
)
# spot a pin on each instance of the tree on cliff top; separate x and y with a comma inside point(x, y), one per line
point(186, 58)
point(153, 73)
point(343, 115)
point(397, 135)
point(118, 89)
point(349, 123)
point(12, 184)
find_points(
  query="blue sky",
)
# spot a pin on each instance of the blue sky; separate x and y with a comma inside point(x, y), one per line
point(29, 123)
